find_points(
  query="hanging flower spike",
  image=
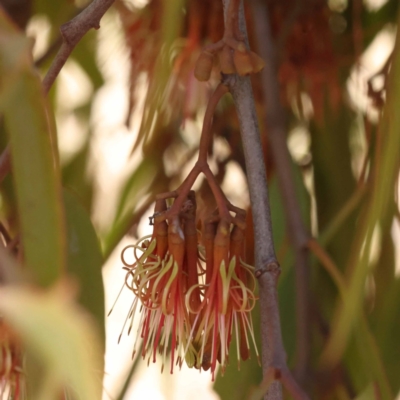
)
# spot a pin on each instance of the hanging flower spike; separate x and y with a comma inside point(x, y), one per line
point(193, 272)
point(207, 338)
point(159, 279)
point(242, 294)
point(203, 67)
point(226, 60)
point(192, 266)
point(160, 229)
point(228, 297)
point(142, 275)
point(242, 60)
point(210, 230)
point(176, 309)
point(152, 279)
point(170, 321)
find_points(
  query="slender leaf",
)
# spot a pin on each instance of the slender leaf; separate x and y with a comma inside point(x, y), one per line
point(84, 259)
point(385, 174)
point(57, 334)
point(35, 171)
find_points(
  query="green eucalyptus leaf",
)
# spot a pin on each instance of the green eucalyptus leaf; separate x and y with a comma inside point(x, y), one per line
point(28, 122)
point(59, 336)
point(378, 211)
point(84, 259)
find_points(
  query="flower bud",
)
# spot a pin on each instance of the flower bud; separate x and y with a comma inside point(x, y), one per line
point(243, 62)
point(257, 62)
point(226, 60)
point(204, 64)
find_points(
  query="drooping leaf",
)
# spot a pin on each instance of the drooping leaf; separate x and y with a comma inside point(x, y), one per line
point(60, 336)
point(76, 178)
point(378, 210)
point(156, 100)
point(84, 260)
point(28, 122)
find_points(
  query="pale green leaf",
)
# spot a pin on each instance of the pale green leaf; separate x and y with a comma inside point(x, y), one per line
point(59, 335)
point(84, 259)
point(29, 126)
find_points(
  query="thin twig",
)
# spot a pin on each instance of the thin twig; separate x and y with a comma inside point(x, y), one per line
point(206, 133)
point(287, 380)
point(72, 32)
point(276, 127)
point(340, 218)
point(329, 265)
point(292, 386)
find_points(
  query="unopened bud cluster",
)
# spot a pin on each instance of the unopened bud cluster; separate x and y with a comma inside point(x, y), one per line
point(238, 60)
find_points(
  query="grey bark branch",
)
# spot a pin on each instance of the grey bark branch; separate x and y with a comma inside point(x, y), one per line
point(266, 265)
point(267, 269)
point(276, 127)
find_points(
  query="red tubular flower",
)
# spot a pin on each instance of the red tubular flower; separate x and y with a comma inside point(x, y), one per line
point(159, 279)
point(227, 298)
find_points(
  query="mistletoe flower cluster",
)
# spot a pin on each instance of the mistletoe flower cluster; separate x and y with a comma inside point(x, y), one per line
point(194, 291)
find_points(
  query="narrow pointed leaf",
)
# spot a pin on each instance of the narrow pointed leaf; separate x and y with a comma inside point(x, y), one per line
point(35, 170)
point(84, 259)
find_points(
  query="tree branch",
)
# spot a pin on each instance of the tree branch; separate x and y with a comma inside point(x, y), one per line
point(276, 126)
point(267, 269)
point(72, 32)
